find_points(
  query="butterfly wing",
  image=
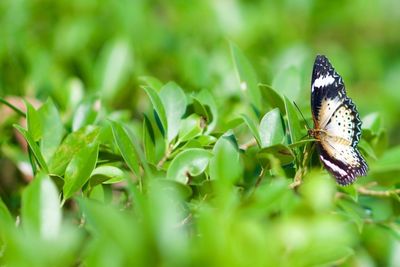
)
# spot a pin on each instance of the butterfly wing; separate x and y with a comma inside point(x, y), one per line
point(345, 123)
point(336, 114)
point(327, 91)
point(343, 161)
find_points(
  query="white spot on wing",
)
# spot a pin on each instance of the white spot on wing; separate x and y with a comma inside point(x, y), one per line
point(342, 152)
point(342, 124)
point(327, 109)
point(323, 81)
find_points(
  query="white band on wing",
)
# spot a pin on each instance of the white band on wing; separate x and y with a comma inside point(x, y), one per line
point(333, 166)
point(323, 81)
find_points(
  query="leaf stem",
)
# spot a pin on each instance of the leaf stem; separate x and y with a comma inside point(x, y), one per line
point(377, 193)
point(17, 110)
point(303, 168)
point(165, 158)
point(252, 142)
point(259, 178)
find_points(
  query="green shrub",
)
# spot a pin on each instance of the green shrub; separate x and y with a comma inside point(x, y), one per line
point(104, 164)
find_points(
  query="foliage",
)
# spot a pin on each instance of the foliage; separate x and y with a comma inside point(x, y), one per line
point(105, 161)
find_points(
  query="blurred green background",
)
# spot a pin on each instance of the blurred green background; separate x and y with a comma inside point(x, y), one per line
point(73, 50)
point(49, 49)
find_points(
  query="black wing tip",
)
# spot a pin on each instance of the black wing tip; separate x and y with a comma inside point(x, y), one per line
point(322, 66)
point(322, 60)
point(321, 57)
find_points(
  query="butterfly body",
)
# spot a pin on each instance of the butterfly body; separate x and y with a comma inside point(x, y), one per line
point(337, 126)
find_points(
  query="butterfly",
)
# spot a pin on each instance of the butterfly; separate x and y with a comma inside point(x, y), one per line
point(337, 125)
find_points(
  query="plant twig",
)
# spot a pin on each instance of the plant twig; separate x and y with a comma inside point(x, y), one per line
point(302, 169)
point(259, 178)
point(165, 158)
point(16, 109)
point(297, 178)
point(185, 221)
point(377, 193)
point(251, 143)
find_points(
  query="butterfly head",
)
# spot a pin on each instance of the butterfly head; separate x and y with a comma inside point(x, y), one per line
point(310, 132)
point(317, 133)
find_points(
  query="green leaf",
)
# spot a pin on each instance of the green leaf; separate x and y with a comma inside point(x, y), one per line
point(200, 109)
point(225, 165)
point(246, 76)
point(206, 140)
point(152, 82)
point(273, 99)
point(279, 151)
point(318, 191)
point(183, 190)
point(194, 143)
point(166, 213)
point(53, 129)
point(190, 128)
point(5, 215)
point(158, 107)
point(387, 168)
point(367, 149)
point(108, 223)
point(72, 94)
point(269, 196)
point(287, 82)
point(372, 122)
point(34, 147)
point(252, 127)
point(389, 161)
point(190, 162)
point(380, 143)
point(352, 212)
point(271, 128)
point(149, 140)
point(208, 102)
point(79, 169)
point(40, 211)
point(96, 192)
point(174, 101)
point(293, 121)
point(107, 175)
point(114, 67)
point(73, 143)
point(86, 113)
point(34, 122)
point(126, 147)
point(351, 191)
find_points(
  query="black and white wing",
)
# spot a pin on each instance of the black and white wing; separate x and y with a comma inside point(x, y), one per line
point(327, 91)
point(338, 151)
point(335, 114)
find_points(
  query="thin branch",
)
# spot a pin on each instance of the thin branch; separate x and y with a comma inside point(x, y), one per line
point(185, 221)
point(376, 193)
point(165, 158)
point(259, 179)
point(8, 104)
point(297, 179)
point(251, 143)
point(302, 169)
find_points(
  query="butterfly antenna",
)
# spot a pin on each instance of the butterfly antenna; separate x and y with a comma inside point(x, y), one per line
point(305, 121)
